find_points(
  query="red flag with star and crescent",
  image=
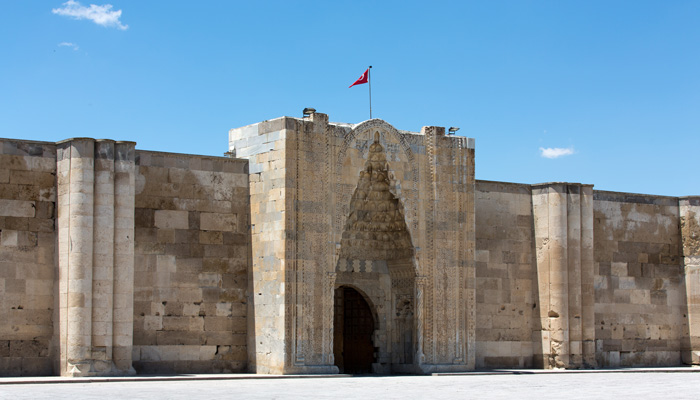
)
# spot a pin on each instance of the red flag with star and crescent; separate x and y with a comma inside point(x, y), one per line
point(364, 78)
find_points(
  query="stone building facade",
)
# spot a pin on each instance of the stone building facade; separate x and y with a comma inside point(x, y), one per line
point(320, 247)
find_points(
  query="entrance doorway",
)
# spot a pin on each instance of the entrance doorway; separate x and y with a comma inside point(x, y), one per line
point(353, 329)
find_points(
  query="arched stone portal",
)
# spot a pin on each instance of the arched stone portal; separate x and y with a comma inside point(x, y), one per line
point(376, 256)
point(353, 327)
point(387, 212)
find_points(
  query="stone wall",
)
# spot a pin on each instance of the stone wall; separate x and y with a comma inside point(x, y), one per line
point(570, 277)
point(191, 263)
point(112, 257)
point(505, 292)
point(27, 257)
point(264, 146)
point(640, 303)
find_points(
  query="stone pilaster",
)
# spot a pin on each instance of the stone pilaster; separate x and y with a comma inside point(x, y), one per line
point(564, 241)
point(690, 235)
point(549, 207)
point(75, 245)
point(103, 255)
point(587, 278)
point(95, 237)
point(123, 312)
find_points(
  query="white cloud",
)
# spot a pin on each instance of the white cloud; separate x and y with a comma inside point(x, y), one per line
point(555, 152)
point(69, 44)
point(101, 15)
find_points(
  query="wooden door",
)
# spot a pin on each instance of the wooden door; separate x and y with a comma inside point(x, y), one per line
point(354, 319)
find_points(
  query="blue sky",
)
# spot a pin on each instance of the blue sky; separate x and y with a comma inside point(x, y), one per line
point(612, 87)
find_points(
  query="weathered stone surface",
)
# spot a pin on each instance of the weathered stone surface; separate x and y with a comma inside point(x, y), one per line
point(95, 180)
point(330, 247)
point(336, 206)
point(17, 208)
point(27, 249)
point(640, 308)
point(183, 256)
point(506, 317)
point(169, 219)
point(690, 237)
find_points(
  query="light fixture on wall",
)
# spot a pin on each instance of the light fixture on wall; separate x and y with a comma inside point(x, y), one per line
point(452, 130)
point(308, 111)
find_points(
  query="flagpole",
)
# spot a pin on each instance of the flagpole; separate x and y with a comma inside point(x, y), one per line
point(369, 80)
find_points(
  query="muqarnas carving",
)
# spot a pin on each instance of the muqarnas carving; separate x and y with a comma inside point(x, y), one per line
point(375, 229)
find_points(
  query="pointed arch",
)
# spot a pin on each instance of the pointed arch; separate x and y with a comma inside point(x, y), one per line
point(409, 201)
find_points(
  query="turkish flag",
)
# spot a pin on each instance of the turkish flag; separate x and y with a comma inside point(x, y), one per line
point(364, 78)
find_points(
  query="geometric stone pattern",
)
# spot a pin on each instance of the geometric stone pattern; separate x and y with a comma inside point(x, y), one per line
point(376, 242)
point(375, 228)
point(452, 256)
point(310, 255)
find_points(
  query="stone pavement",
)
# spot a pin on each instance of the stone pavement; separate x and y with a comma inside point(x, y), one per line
point(679, 383)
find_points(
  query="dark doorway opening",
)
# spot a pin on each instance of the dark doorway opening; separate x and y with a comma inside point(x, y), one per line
point(353, 329)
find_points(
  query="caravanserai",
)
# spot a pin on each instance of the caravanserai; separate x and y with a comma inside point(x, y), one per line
point(317, 247)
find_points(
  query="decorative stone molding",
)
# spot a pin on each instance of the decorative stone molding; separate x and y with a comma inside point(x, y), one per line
point(375, 228)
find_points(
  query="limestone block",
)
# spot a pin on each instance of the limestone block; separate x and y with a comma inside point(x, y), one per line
point(171, 219)
point(205, 353)
point(150, 353)
point(9, 238)
point(154, 323)
point(218, 222)
point(223, 309)
point(17, 208)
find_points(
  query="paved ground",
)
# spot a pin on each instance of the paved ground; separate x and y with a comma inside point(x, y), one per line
point(521, 385)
